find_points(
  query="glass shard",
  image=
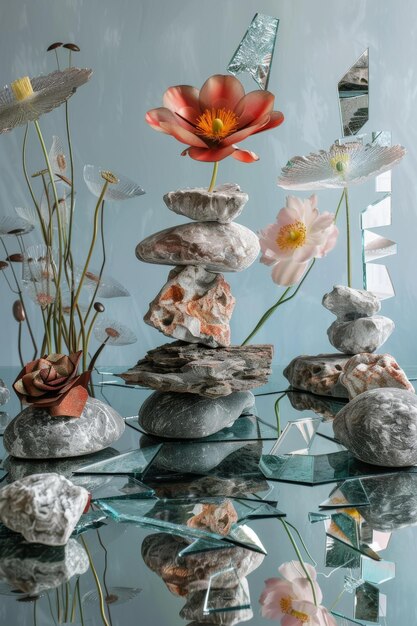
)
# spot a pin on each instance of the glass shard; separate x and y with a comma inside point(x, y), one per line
point(376, 572)
point(378, 280)
point(367, 603)
point(317, 517)
point(377, 247)
point(345, 527)
point(353, 90)
point(339, 554)
point(132, 463)
point(102, 487)
point(233, 598)
point(351, 493)
point(377, 214)
point(256, 50)
point(122, 188)
point(297, 436)
point(92, 519)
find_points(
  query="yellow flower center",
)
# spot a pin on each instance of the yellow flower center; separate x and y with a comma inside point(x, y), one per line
point(216, 124)
point(22, 88)
point(340, 162)
point(292, 236)
point(286, 607)
point(109, 176)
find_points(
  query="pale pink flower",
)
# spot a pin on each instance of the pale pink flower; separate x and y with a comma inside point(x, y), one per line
point(299, 234)
point(290, 598)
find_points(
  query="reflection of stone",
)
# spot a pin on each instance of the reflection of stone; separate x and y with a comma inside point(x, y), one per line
point(33, 568)
point(223, 204)
point(216, 247)
point(189, 416)
point(365, 334)
point(44, 508)
point(34, 434)
point(218, 518)
point(327, 408)
point(373, 371)
point(229, 599)
point(380, 427)
point(192, 368)
point(233, 487)
point(318, 374)
point(393, 501)
point(4, 393)
point(194, 305)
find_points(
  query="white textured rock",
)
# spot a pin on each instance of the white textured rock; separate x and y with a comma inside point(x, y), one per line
point(216, 247)
point(364, 334)
point(44, 508)
point(372, 371)
point(348, 303)
point(4, 393)
point(223, 204)
point(34, 434)
point(380, 427)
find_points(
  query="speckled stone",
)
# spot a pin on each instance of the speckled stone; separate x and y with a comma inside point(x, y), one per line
point(195, 306)
point(347, 303)
point(216, 247)
point(392, 501)
point(318, 374)
point(190, 416)
point(44, 508)
point(380, 427)
point(4, 393)
point(223, 204)
point(372, 371)
point(34, 434)
point(365, 334)
point(34, 568)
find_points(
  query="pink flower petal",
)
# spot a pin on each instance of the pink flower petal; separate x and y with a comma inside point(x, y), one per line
point(276, 118)
point(241, 134)
point(164, 120)
point(220, 92)
point(184, 100)
point(254, 105)
point(288, 273)
point(244, 155)
point(305, 253)
point(288, 215)
point(210, 154)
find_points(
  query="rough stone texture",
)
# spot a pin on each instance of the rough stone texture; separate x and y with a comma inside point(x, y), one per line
point(318, 374)
point(189, 416)
point(235, 487)
point(191, 368)
point(365, 334)
point(44, 508)
point(193, 608)
point(380, 427)
point(393, 501)
point(4, 393)
point(34, 434)
point(223, 204)
point(325, 407)
point(35, 568)
point(347, 303)
point(195, 458)
point(372, 371)
point(216, 247)
point(195, 306)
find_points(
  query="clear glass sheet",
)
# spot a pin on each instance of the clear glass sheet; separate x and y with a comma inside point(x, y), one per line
point(256, 50)
point(377, 572)
point(297, 436)
point(351, 493)
point(367, 603)
point(5, 418)
point(87, 521)
point(377, 247)
point(245, 534)
point(130, 463)
point(233, 598)
point(378, 280)
point(353, 89)
point(313, 517)
point(378, 213)
point(102, 487)
point(339, 554)
point(346, 529)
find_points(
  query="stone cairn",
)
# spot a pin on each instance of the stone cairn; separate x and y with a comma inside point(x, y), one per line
point(202, 382)
point(356, 333)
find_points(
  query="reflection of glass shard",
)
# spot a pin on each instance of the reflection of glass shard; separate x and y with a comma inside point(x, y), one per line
point(233, 598)
point(351, 493)
point(317, 517)
point(102, 487)
point(377, 247)
point(129, 463)
point(367, 603)
point(255, 52)
point(376, 572)
point(297, 436)
point(378, 280)
point(377, 214)
point(353, 90)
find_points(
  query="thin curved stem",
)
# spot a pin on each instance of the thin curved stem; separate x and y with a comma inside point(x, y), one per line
point(103, 247)
point(37, 208)
point(213, 176)
point(339, 205)
point(302, 542)
point(97, 581)
point(277, 413)
point(80, 604)
point(300, 558)
point(348, 255)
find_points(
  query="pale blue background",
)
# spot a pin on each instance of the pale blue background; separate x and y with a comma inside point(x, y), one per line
point(137, 49)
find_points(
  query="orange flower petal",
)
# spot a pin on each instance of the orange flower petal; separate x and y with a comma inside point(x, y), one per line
point(220, 92)
point(244, 155)
point(183, 99)
point(210, 155)
point(254, 105)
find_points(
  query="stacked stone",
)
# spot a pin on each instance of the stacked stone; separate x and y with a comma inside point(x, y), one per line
point(195, 307)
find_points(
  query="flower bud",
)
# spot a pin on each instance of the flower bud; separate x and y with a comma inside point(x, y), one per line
point(18, 311)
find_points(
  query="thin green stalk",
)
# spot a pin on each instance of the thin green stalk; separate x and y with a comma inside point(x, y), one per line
point(57, 60)
point(282, 300)
point(339, 205)
point(58, 605)
point(68, 255)
point(302, 542)
point(35, 618)
point(103, 248)
point(37, 208)
point(348, 257)
point(67, 601)
point(300, 558)
point(213, 176)
point(277, 413)
point(74, 601)
point(88, 336)
point(339, 597)
point(80, 604)
point(50, 608)
point(97, 581)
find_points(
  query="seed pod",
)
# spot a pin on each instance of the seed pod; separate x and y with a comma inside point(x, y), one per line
point(112, 332)
point(18, 311)
point(99, 307)
point(71, 46)
point(3, 265)
point(17, 257)
point(53, 46)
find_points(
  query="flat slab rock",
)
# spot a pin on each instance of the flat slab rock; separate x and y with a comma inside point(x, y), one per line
point(195, 306)
point(318, 374)
point(189, 416)
point(373, 371)
point(223, 204)
point(216, 247)
point(34, 434)
point(191, 368)
point(380, 427)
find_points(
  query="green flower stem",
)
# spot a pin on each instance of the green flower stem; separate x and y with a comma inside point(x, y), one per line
point(67, 601)
point(302, 542)
point(37, 208)
point(273, 308)
point(50, 608)
point(213, 176)
point(339, 205)
point(58, 606)
point(348, 257)
point(339, 597)
point(97, 581)
point(80, 604)
point(300, 558)
point(68, 254)
point(45, 188)
point(103, 263)
point(88, 336)
point(277, 413)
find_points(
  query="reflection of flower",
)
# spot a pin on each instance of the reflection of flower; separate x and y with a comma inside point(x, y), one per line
point(27, 99)
point(42, 292)
point(215, 517)
point(52, 383)
point(341, 165)
point(290, 598)
point(119, 188)
point(112, 333)
point(213, 119)
point(299, 234)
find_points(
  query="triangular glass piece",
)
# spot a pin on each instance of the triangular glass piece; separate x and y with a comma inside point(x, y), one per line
point(378, 213)
point(92, 519)
point(317, 517)
point(343, 620)
point(377, 247)
point(349, 494)
point(353, 90)
point(235, 597)
point(378, 280)
point(339, 554)
point(345, 528)
point(367, 603)
point(102, 486)
point(256, 50)
point(247, 536)
point(377, 572)
point(130, 463)
point(297, 436)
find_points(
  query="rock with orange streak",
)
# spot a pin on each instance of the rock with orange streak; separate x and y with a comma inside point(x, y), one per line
point(194, 306)
point(373, 371)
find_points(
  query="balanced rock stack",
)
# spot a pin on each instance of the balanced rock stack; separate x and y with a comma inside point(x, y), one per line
point(357, 332)
point(193, 375)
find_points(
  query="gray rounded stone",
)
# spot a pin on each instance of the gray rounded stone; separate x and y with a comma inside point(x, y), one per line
point(190, 416)
point(34, 434)
point(380, 427)
point(223, 204)
point(365, 334)
point(349, 303)
point(216, 247)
